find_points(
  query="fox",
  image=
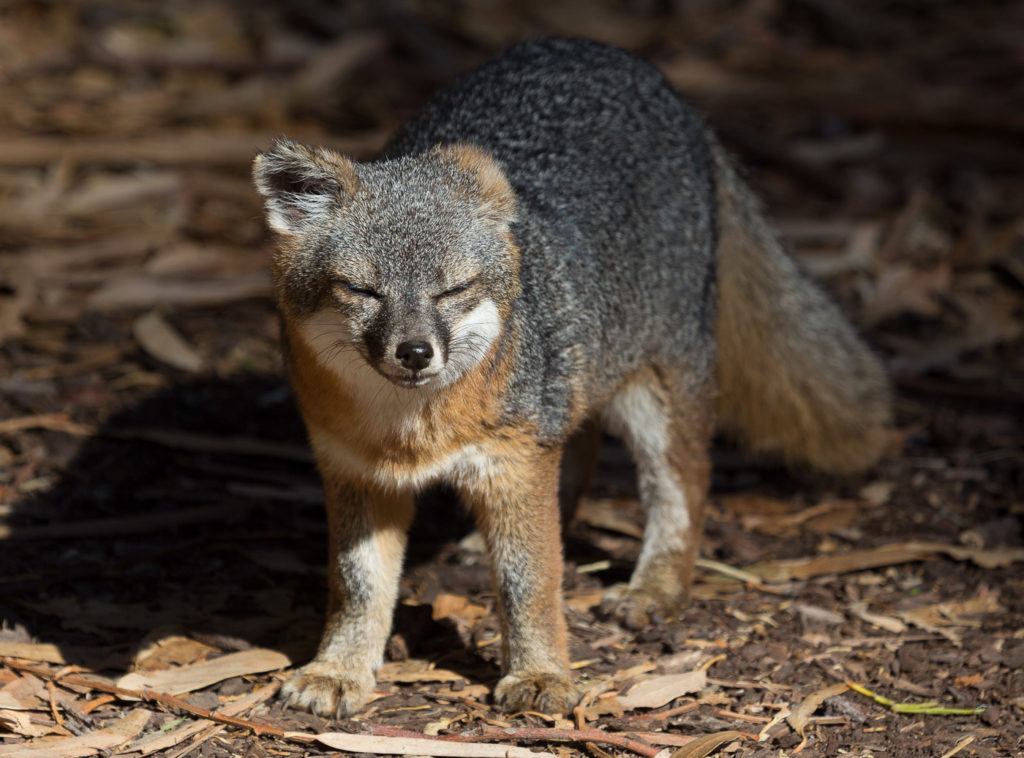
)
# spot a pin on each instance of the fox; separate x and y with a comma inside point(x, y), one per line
point(554, 246)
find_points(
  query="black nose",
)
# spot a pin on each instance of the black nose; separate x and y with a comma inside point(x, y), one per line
point(415, 355)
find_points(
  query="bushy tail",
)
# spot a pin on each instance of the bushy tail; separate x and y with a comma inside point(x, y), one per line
point(793, 376)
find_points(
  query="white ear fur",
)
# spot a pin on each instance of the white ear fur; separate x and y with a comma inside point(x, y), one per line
point(301, 185)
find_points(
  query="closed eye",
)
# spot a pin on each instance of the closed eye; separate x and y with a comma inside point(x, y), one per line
point(355, 289)
point(457, 289)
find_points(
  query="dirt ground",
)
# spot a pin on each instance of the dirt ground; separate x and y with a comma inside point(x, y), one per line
point(161, 534)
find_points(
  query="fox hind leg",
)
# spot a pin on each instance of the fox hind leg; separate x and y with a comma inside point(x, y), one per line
point(667, 423)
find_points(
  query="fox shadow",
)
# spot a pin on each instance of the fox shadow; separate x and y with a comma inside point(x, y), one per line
point(196, 511)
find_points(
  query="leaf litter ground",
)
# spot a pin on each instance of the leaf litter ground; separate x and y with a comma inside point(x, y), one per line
point(161, 542)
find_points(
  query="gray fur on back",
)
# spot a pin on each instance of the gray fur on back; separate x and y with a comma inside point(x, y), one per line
point(616, 215)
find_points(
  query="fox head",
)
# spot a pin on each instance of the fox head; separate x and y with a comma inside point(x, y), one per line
point(405, 266)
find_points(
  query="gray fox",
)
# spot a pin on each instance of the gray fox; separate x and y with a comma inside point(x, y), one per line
point(555, 242)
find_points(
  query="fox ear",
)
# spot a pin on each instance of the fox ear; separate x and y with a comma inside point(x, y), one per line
point(301, 185)
point(497, 196)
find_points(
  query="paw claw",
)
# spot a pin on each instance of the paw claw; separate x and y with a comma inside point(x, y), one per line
point(327, 690)
point(544, 692)
point(632, 608)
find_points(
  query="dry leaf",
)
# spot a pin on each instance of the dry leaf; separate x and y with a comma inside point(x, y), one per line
point(110, 738)
point(26, 693)
point(858, 254)
point(174, 650)
point(661, 690)
point(321, 75)
point(104, 192)
point(937, 618)
point(187, 258)
point(756, 510)
point(584, 602)
point(815, 614)
point(823, 517)
point(165, 343)
point(141, 291)
point(446, 605)
point(901, 288)
point(611, 515)
point(21, 284)
point(801, 714)
point(21, 723)
point(414, 670)
point(707, 744)
point(889, 623)
point(992, 320)
point(365, 743)
point(877, 493)
point(604, 706)
point(664, 739)
point(766, 731)
point(971, 680)
point(680, 662)
point(469, 692)
point(886, 555)
point(184, 679)
point(220, 147)
point(32, 651)
point(152, 743)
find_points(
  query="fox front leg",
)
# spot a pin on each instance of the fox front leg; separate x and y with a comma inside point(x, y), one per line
point(517, 512)
point(367, 535)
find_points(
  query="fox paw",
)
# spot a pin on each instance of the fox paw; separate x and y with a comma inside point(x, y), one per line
point(544, 692)
point(631, 607)
point(327, 690)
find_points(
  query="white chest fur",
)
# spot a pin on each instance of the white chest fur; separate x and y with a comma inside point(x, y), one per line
point(466, 465)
